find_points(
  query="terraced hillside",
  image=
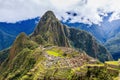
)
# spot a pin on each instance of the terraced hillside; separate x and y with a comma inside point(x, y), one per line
point(55, 52)
point(45, 63)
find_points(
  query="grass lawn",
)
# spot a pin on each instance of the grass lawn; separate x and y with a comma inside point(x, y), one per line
point(53, 53)
point(113, 63)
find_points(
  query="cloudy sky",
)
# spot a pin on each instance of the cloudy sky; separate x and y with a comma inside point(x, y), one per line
point(86, 11)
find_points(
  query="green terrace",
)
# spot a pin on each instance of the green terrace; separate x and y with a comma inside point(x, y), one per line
point(113, 63)
point(54, 53)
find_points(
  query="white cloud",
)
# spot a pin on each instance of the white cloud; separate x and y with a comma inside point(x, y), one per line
point(115, 16)
point(88, 11)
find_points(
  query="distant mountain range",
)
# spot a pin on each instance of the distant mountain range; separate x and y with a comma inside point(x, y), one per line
point(113, 45)
point(103, 33)
point(9, 31)
point(107, 34)
point(5, 39)
point(55, 51)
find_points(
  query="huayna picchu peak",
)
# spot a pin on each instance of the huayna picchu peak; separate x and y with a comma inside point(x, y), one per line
point(56, 52)
point(51, 31)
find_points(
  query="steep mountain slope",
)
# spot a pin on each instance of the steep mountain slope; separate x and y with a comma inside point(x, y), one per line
point(51, 31)
point(96, 30)
point(18, 53)
point(107, 33)
point(3, 55)
point(40, 62)
point(21, 42)
point(64, 59)
point(28, 61)
point(83, 40)
point(9, 31)
point(5, 40)
point(113, 45)
point(103, 32)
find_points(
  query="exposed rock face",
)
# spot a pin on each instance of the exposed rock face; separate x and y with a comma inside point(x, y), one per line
point(30, 59)
point(18, 45)
point(83, 40)
point(21, 42)
point(50, 30)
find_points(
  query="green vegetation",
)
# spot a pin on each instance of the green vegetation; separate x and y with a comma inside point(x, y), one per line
point(82, 40)
point(3, 55)
point(24, 58)
point(29, 64)
point(53, 53)
point(113, 63)
point(29, 56)
point(98, 73)
point(113, 44)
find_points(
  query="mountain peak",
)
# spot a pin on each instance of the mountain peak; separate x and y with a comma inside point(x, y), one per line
point(46, 22)
point(50, 30)
point(22, 35)
point(48, 15)
point(18, 45)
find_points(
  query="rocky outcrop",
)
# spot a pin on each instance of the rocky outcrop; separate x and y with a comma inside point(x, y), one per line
point(66, 59)
point(51, 31)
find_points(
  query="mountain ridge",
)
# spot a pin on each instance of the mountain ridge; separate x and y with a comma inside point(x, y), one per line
point(14, 29)
point(65, 54)
point(53, 29)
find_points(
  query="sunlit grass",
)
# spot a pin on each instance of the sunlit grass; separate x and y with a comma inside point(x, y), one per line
point(53, 53)
point(112, 62)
